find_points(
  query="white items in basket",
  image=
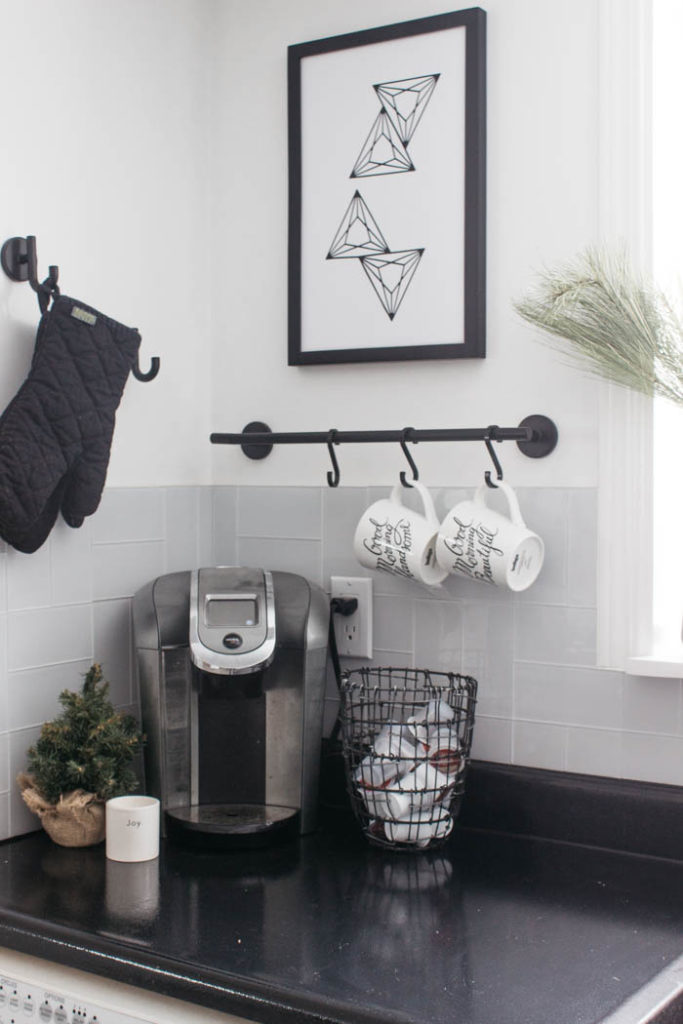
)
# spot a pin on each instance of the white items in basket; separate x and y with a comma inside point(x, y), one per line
point(481, 544)
point(395, 740)
point(419, 790)
point(401, 796)
point(376, 772)
point(420, 829)
point(435, 711)
point(445, 750)
point(374, 777)
point(410, 770)
point(406, 739)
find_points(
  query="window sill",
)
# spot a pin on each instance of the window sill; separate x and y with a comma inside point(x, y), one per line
point(663, 665)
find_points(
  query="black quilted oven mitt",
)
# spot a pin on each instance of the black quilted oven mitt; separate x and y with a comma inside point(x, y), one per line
point(55, 435)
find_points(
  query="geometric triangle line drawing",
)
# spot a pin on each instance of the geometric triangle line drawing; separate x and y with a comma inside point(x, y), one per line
point(390, 275)
point(405, 102)
point(383, 151)
point(358, 234)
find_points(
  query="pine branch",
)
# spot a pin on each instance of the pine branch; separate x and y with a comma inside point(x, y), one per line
point(620, 327)
point(88, 746)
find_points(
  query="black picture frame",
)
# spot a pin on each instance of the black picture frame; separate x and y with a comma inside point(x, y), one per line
point(469, 337)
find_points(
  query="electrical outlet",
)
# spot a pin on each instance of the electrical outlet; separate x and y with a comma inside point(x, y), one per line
point(353, 632)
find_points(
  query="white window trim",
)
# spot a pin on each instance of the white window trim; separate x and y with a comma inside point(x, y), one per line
point(624, 597)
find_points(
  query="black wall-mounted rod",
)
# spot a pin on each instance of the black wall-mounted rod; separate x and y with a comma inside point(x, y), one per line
point(536, 436)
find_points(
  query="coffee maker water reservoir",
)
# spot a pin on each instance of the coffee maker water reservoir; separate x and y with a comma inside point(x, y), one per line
point(231, 667)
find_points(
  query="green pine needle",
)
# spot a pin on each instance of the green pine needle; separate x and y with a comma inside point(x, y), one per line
point(89, 746)
point(620, 327)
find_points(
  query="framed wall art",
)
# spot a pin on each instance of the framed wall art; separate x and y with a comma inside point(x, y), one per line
point(387, 179)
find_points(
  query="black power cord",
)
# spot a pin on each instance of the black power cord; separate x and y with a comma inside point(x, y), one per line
point(332, 770)
point(339, 606)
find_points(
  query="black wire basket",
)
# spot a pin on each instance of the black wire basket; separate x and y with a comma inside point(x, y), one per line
point(406, 738)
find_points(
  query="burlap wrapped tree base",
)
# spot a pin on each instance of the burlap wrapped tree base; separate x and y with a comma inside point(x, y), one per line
point(77, 819)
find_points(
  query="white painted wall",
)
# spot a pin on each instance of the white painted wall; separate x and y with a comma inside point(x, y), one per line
point(104, 157)
point(144, 144)
point(542, 206)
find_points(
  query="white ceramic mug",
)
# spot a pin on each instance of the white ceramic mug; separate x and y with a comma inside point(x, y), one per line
point(477, 542)
point(132, 828)
point(393, 538)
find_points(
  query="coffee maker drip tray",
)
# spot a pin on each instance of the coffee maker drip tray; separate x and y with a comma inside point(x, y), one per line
point(232, 825)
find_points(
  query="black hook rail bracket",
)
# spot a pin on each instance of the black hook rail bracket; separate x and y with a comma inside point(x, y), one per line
point(543, 436)
point(536, 437)
point(260, 449)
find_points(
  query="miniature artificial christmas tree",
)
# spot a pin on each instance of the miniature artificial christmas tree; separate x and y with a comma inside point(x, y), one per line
point(82, 758)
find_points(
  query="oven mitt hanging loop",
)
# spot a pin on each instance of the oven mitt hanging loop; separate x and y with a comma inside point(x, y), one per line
point(55, 435)
point(48, 289)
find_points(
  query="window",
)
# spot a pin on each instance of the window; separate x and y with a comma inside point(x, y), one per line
point(667, 262)
point(640, 572)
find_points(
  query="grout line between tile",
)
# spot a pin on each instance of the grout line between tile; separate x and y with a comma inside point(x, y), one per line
point(164, 519)
point(49, 664)
point(566, 665)
point(291, 537)
point(133, 540)
point(238, 508)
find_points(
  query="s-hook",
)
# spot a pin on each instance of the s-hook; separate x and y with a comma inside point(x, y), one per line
point(491, 435)
point(405, 436)
point(333, 476)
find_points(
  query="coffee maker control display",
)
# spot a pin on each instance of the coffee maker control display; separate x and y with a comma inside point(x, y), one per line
point(232, 628)
point(231, 611)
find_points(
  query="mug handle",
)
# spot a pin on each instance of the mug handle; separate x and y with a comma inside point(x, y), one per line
point(427, 503)
point(513, 504)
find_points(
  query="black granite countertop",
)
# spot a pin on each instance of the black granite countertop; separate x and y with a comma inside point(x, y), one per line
point(491, 929)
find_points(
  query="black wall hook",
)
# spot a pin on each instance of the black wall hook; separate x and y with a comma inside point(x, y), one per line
point(149, 374)
point(492, 435)
point(333, 476)
point(405, 436)
point(19, 260)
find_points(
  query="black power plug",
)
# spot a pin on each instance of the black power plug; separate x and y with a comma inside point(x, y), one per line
point(344, 605)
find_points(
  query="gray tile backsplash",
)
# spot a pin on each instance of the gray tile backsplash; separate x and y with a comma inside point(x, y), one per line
point(541, 700)
point(28, 579)
point(182, 526)
point(297, 555)
point(287, 513)
point(223, 526)
point(112, 644)
point(32, 693)
point(46, 636)
point(129, 514)
point(4, 816)
point(119, 569)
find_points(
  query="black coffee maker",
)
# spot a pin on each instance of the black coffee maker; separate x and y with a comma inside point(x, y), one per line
point(231, 667)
